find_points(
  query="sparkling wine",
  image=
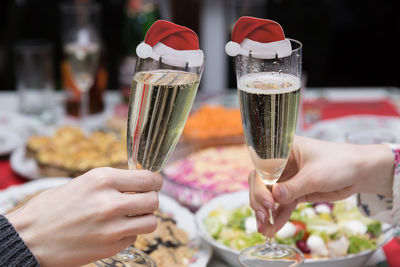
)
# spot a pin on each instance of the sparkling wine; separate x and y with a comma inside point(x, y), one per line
point(159, 104)
point(83, 61)
point(269, 104)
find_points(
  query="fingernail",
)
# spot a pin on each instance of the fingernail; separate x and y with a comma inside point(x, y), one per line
point(281, 191)
point(260, 215)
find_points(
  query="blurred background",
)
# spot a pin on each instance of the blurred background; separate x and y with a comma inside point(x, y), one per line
point(346, 43)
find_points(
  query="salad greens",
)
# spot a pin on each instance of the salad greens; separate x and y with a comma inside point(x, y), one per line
point(343, 230)
point(360, 243)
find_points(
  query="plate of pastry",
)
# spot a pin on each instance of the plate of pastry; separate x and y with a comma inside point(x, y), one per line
point(68, 152)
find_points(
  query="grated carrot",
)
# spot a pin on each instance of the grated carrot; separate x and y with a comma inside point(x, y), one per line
point(213, 122)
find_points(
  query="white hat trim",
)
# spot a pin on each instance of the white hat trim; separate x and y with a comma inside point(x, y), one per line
point(170, 56)
point(281, 48)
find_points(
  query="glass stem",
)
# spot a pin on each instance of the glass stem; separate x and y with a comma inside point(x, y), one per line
point(84, 111)
point(84, 105)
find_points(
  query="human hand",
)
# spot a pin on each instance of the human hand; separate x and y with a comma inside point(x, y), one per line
point(87, 218)
point(321, 171)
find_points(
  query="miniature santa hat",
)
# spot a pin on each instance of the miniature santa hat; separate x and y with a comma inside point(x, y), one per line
point(172, 44)
point(263, 37)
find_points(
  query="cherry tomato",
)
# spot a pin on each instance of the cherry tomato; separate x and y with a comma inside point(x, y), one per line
point(300, 226)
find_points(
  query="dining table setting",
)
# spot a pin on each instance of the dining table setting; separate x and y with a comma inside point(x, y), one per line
point(204, 161)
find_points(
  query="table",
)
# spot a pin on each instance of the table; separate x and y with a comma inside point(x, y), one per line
point(317, 104)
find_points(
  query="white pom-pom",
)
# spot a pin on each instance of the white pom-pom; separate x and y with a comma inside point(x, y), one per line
point(233, 49)
point(144, 50)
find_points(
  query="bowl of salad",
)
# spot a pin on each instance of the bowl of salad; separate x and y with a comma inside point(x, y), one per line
point(328, 234)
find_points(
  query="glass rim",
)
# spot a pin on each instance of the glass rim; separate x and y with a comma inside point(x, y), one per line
point(296, 42)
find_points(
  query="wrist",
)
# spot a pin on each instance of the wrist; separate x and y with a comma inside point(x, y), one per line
point(376, 165)
point(22, 223)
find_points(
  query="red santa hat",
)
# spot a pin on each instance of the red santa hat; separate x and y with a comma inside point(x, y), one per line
point(174, 44)
point(263, 37)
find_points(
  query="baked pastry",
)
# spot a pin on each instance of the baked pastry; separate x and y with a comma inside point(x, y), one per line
point(69, 152)
point(168, 246)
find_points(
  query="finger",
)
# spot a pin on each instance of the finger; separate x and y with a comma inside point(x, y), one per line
point(260, 197)
point(300, 185)
point(282, 214)
point(139, 204)
point(328, 196)
point(128, 180)
point(266, 229)
point(127, 241)
point(131, 226)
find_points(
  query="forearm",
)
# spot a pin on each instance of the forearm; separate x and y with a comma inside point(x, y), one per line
point(376, 169)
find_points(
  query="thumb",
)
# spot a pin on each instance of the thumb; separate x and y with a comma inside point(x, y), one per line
point(298, 186)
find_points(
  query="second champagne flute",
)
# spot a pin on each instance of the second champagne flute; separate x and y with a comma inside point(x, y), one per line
point(82, 47)
point(268, 71)
point(165, 82)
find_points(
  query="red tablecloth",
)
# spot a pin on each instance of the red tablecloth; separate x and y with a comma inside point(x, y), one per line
point(7, 176)
point(323, 109)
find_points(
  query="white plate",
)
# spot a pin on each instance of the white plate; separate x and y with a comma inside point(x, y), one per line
point(8, 141)
point(184, 218)
point(233, 200)
point(335, 129)
point(23, 165)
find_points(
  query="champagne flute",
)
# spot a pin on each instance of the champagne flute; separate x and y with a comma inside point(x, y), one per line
point(160, 101)
point(81, 46)
point(269, 93)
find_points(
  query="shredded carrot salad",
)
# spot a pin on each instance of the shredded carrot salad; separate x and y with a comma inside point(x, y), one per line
point(213, 122)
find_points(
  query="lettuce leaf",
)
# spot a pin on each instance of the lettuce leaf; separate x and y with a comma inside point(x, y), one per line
point(375, 228)
point(360, 243)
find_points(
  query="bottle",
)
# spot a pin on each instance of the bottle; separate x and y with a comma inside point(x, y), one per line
point(139, 16)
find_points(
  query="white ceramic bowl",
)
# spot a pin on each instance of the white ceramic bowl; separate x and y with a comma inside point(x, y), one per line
point(233, 200)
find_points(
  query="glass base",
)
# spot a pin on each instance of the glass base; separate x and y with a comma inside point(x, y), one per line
point(276, 255)
point(129, 257)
